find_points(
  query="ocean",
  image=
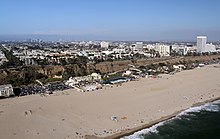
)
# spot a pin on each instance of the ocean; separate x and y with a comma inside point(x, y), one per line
point(200, 122)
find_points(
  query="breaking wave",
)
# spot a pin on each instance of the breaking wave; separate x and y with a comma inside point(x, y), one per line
point(185, 115)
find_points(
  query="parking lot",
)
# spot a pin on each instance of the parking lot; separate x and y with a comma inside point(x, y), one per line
point(37, 89)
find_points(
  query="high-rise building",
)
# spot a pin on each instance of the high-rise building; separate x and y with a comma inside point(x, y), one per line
point(201, 44)
point(104, 45)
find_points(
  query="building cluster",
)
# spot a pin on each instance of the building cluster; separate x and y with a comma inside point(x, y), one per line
point(2, 58)
point(33, 52)
point(203, 46)
point(54, 55)
point(37, 52)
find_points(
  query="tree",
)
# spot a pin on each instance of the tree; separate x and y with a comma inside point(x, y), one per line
point(71, 60)
point(69, 71)
point(13, 61)
point(63, 62)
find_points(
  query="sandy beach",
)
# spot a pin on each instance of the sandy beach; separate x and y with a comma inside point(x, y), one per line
point(136, 104)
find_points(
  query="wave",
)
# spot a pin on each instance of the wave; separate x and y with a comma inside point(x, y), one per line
point(152, 129)
point(208, 107)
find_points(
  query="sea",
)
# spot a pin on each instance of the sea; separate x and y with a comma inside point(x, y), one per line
point(200, 122)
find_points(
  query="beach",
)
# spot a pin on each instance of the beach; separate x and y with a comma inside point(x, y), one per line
point(135, 105)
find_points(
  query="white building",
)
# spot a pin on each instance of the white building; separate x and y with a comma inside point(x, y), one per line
point(104, 45)
point(183, 49)
point(139, 46)
point(210, 48)
point(117, 50)
point(201, 44)
point(2, 58)
point(90, 78)
point(83, 53)
point(164, 50)
point(150, 46)
point(6, 90)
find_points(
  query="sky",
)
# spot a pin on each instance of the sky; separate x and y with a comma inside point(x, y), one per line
point(146, 20)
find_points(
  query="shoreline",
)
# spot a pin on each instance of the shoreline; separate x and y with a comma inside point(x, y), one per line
point(150, 124)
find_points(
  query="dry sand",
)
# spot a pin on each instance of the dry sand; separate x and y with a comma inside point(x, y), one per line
point(71, 114)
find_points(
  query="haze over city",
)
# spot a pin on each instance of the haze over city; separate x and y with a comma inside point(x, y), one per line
point(145, 20)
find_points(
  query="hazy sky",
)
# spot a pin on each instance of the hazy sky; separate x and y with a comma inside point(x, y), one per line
point(111, 19)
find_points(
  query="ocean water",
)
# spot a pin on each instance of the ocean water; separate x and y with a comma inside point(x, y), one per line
point(202, 122)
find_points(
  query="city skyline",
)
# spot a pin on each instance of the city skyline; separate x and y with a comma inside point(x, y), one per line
point(144, 20)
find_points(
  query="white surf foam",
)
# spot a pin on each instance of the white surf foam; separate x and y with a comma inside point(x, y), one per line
point(152, 129)
point(212, 107)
